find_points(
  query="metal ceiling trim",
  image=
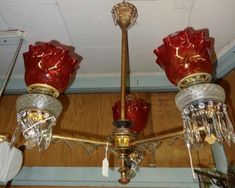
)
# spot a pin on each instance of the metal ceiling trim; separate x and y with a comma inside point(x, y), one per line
point(157, 83)
point(91, 176)
point(226, 61)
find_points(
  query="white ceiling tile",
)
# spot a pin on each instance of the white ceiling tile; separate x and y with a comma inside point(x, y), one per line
point(90, 22)
point(143, 60)
point(25, 2)
point(216, 15)
point(42, 23)
point(100, 60)
point(159, 18)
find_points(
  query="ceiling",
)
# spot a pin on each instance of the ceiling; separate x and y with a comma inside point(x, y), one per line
point(87, 25)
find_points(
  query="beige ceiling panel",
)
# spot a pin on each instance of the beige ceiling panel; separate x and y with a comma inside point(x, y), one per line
point(41, 22)
point(3, 25)
point(216, 15)
point(25, 2)
point(100, 60)
point(90, 22)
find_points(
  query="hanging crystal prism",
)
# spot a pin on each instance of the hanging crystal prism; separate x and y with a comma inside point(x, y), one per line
point(36, 115)
point(204, 114)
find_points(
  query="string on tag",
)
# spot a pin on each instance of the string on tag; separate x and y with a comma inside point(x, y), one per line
point(191, 161)
point(105, 163)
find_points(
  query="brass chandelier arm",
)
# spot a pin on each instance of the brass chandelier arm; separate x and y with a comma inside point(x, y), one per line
point(80, 140)
point(157, 138)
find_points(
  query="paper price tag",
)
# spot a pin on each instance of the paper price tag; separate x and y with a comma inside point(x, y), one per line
point(105, 167)
point(105, 163)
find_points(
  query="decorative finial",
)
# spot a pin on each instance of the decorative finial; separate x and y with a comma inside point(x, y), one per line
point(124, 15)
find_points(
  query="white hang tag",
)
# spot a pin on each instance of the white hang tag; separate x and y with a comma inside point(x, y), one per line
point(191, 162)
point(105, 167)
point(105, 163)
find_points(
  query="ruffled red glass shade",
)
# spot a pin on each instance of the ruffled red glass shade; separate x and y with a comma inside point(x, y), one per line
point(50, 65)
point(184, 53)
point(136, 111)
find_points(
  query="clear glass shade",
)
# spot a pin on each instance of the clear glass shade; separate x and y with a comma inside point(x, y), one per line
point(36, 115)
point(204, 114)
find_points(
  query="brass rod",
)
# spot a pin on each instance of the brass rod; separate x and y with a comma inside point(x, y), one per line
point(124, 57)
point(83, 140)
point(128, 85)
point(162, 137)
point(158, 138)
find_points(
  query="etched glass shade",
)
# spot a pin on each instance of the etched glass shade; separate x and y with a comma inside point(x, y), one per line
point(36, 115)
point(185, 54)
point(136, 111)
point(203, 110)
point(48, 66)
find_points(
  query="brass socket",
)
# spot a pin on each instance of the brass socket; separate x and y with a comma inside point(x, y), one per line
point(123, 138)
point(43, 89)
point(193, 79)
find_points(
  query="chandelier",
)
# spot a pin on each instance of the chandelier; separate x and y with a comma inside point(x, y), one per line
point(186, 60)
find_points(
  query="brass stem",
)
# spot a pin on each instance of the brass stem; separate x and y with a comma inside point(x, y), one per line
point(124, 57)
point(83, 140)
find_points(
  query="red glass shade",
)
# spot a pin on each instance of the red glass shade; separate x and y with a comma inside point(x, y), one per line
point(50, 65)
point(184, 53)
point(136, 111)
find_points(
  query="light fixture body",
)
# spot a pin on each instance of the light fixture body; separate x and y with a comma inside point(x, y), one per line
point(48, 70)
point(185, 57)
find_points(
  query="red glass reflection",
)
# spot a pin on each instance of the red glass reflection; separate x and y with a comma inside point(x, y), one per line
point(184, 53)
point(48, 64)
point(136, 111)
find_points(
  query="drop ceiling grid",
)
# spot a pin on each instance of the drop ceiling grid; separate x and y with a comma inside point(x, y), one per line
point(41, 22)
point(25, 2)
point(3, 25)
point(6, 55)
